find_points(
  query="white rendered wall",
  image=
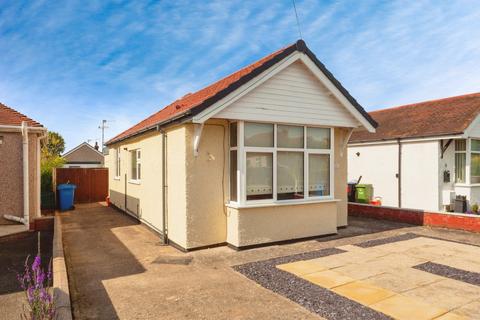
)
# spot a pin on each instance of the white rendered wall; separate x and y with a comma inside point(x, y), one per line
point(420, 175)
point(378, 165)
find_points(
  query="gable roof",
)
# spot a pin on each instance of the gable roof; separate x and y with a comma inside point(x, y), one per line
point(193, 103)
point(11, 117)
point(447, 116)
point(80, 146)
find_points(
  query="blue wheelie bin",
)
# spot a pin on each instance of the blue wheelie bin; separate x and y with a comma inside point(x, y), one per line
point(66, 193)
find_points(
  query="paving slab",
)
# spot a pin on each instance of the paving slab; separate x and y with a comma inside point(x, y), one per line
point(363, 292)
point(406, 308)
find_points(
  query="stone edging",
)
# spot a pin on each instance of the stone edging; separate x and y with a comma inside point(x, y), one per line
point(61, 293)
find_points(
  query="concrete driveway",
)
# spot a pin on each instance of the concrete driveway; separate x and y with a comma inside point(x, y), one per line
point(118, 269)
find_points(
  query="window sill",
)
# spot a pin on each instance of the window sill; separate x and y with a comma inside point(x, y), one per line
point(279, 203)
point(466, 185)
point(134, 181)
point(116, 178)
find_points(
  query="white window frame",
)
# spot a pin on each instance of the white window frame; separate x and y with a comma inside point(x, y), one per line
point(241, 166)
point(467, 163)
point(138, 165)
point(469, 159)
point(117, 164)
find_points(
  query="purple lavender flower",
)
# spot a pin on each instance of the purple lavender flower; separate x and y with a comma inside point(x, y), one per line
point(36, 285)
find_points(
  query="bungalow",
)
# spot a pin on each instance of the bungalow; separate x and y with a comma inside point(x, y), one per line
point(20, 139)
point(422, 155)
point(84, 156)
point(254, 158)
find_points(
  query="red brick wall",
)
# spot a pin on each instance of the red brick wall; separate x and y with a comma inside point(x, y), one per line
point(416, 217)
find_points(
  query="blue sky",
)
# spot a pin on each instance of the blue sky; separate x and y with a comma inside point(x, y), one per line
point(69, 64)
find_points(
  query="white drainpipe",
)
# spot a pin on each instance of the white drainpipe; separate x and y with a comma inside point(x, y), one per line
point(26, 205)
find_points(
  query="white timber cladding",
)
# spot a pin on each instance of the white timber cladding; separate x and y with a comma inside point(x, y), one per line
point(294, 95)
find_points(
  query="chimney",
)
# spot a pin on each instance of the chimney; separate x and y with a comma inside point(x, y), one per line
point(96, 146)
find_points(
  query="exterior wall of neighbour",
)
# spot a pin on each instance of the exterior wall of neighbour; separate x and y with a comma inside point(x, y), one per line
point(11, 175)
point(294, 95)
point(251, 226)
point(420, 175)
point(378, 165)
point(420, 172)
point(446, 163)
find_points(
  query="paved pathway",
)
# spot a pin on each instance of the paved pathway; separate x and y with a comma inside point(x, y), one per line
point(118, 269)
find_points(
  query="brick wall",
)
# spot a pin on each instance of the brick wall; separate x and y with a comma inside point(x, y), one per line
point(417, 217)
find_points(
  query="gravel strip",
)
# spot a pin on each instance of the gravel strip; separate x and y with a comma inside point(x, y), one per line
point(450, 272)
point(379, 242)
point(314, 298)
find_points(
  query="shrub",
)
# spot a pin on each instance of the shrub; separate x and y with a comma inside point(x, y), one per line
point(475, 208)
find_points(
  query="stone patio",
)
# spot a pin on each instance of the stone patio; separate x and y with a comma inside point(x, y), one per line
point(402, 277)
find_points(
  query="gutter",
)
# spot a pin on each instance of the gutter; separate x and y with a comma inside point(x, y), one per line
point(156, 126)
point(24, 129)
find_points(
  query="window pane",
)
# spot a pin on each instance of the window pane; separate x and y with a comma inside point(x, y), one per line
point(460, 145)
point(460, 161)
point(289, 175)
point(318, 138)
point(475, 168)
point(319, 175)
point(258, 134)
point(233, 175)
point(233, 134)
point(475, 145)
point(139, 166)
point(134, 164)
point(289, 136)
point(259, 176)
point(138, 154)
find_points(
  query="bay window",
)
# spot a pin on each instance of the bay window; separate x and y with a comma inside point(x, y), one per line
point(475, 161)
point(467, 161)
point(271, 163)
point(460, 160)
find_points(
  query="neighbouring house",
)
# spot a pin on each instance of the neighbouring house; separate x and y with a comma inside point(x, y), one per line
point(20, 139)
point(422, 155)
point(257, 157)
point(84, 156)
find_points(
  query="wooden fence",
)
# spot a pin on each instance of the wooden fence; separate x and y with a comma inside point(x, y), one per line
point(92, 183)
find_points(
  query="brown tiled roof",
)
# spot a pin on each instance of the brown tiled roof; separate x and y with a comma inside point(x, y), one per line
point(11, 117)
point(193, 103)
point(446, 116)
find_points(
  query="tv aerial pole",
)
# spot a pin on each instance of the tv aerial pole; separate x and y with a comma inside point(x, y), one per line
point(103, 126)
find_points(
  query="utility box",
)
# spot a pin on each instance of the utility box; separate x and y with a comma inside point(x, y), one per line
point(364, 193)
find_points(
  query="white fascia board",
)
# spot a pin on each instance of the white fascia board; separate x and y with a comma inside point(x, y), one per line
point(333, 89)
point(395, 141)
point(243, 90)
